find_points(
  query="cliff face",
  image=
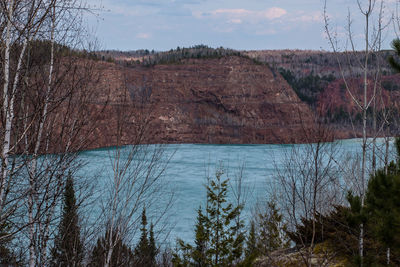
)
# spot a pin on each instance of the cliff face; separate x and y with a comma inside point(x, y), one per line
point(227, 100)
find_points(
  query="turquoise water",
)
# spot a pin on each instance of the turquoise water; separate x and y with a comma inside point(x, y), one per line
point(189, 165)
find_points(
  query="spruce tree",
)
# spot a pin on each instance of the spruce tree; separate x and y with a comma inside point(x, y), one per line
point(272, 230)
point(383, 206)
point(221, 215)
point(219, 239)
point(122, 255)
point(251, 251)
point(201, 241)
point(152, 246)
point(68, 249)
point(146, 251)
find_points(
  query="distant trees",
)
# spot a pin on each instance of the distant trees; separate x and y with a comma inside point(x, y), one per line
point(392, 61)
point(309, 87)
point(174, 56)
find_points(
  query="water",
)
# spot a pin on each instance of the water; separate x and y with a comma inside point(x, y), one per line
point(191, 163)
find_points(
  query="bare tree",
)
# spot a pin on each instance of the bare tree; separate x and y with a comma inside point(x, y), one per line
point(307, 185)
point(135, 179)
point(43, 111)
point(372, 12)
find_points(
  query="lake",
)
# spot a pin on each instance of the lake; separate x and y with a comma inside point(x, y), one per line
point(189, 165)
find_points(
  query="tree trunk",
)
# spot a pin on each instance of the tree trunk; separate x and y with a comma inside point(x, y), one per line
point(9, 118)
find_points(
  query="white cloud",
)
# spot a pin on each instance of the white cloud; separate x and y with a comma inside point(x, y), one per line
point(143, 35)
point(240, 14)
point(231, 12)
point(274, 13)
point(308, 17)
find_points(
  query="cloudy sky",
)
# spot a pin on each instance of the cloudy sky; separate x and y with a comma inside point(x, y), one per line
point(238, 24)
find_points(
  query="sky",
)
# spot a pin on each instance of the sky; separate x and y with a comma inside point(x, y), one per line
point(238, 24)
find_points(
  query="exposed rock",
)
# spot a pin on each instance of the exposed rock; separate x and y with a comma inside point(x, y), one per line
point(226, 100)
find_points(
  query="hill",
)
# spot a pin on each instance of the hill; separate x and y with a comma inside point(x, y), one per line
point(227, 99)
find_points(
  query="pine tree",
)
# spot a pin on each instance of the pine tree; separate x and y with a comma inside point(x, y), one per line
point(152, 246)
point(383, 206)
point(122, 255)
point(201, 241)
point(273, 230)
point(68, 249)
point(393, 63)
point(219, 239)
point(221, 214)
point(251, 251)
point(146, 251)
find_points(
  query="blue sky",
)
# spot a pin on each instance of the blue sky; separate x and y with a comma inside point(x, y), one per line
point(237, 24)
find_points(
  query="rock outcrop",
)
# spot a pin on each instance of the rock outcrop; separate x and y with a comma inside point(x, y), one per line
point(218, 100)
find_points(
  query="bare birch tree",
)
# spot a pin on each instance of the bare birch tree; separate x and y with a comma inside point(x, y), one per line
point(43, 111)
point(307, 185)
point(135, 180)
point(372, 12)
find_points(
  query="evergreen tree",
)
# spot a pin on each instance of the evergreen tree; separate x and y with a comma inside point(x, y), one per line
point(383, 206)
point(152, 246)
point(393, 63)
point(122, 254)
point(7, 257)
point(219, 240)
point(145, 251)
point(201, 241)
point(68, 249)
point(272, 230)
point(218, 223)
point(251, 251)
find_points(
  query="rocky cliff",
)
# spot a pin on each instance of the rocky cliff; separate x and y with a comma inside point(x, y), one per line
point(216, 100)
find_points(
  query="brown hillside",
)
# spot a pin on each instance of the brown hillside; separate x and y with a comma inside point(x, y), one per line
point(226, 100)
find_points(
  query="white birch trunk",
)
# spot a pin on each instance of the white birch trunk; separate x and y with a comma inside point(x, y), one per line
point(364, 131)
point(9, 118)
point(33, 165)
point(388, 256)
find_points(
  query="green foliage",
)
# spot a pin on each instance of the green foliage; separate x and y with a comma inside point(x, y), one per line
point(382, 206)
point(392, 61)
point(251, 251)
point(144, 254)
point(380, 217)
point(219, 240)
point(68, 248)
point(146, 251)
point(179, 54)
point(272, 230)
point(121, 255)
point(200, 251)
point(7, 258)
point(308, 87)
